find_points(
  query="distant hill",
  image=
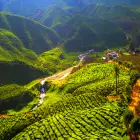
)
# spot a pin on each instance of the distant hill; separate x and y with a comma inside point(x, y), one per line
point(111, 12)
point(53, 15)
point(33, 35)
point(127, 17)
point(30, 8)
point(82, 33)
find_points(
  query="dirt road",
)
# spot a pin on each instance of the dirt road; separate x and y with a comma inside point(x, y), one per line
point(58, 76)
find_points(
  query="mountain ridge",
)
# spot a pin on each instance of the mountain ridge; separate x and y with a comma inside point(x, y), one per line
point(34, 36)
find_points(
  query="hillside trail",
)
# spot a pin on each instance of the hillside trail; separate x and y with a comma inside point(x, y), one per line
point(63, 74)
point(135, 97)
point(57, 77)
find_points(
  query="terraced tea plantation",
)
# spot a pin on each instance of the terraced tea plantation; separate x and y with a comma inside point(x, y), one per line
point(83, 111)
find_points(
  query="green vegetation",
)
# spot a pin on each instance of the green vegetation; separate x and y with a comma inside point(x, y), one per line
point(135, 126)
point(18, 64)
point(52, 16)
point(33, 35)
point(80, 109)
point(11, 49)
point(82, 33)
point(94, 123)
point(92, 101)
point(128, 116)
point(57, 60)
point(15, 98)
point(99, 79)
point(135, 60)
point(114, 12)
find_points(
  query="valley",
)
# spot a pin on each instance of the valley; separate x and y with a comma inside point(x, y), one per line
point(69, 70)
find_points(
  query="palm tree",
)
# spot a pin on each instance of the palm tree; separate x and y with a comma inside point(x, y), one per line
point(116, 68)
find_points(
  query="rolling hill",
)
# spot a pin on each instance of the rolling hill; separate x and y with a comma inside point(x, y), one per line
point(110, 12)
point(86, 101)
point(82, 32)
point(21, 40)
point(79, 109)
point(18, 64)
point(127, 17)
point(53, 15)
point(12, 48)
point(33, 35)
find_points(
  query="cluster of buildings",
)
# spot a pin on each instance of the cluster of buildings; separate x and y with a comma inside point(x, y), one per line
point(83, 56)
point(110, 54)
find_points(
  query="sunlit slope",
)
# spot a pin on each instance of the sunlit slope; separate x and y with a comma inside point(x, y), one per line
point(11, 48)
point(33, 35)
point(82, 110)
point(18, 64)
point(53, 15)
point(57, 60)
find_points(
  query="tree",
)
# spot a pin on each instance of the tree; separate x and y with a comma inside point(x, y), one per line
point(135, 126)
point(116, 68)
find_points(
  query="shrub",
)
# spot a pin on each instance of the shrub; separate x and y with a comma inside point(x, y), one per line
point(128, 116)
point(135, 125)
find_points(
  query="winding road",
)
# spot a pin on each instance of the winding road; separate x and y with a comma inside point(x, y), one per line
point(55, 77)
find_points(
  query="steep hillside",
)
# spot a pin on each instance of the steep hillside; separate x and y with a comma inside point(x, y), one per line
point(110, 12)
point(127, 17)
point(53, 15)
point(17, 64)
point(20, 65)
point(11, 48)
point(33, 35)
point(82, 33)
point(80, 109)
